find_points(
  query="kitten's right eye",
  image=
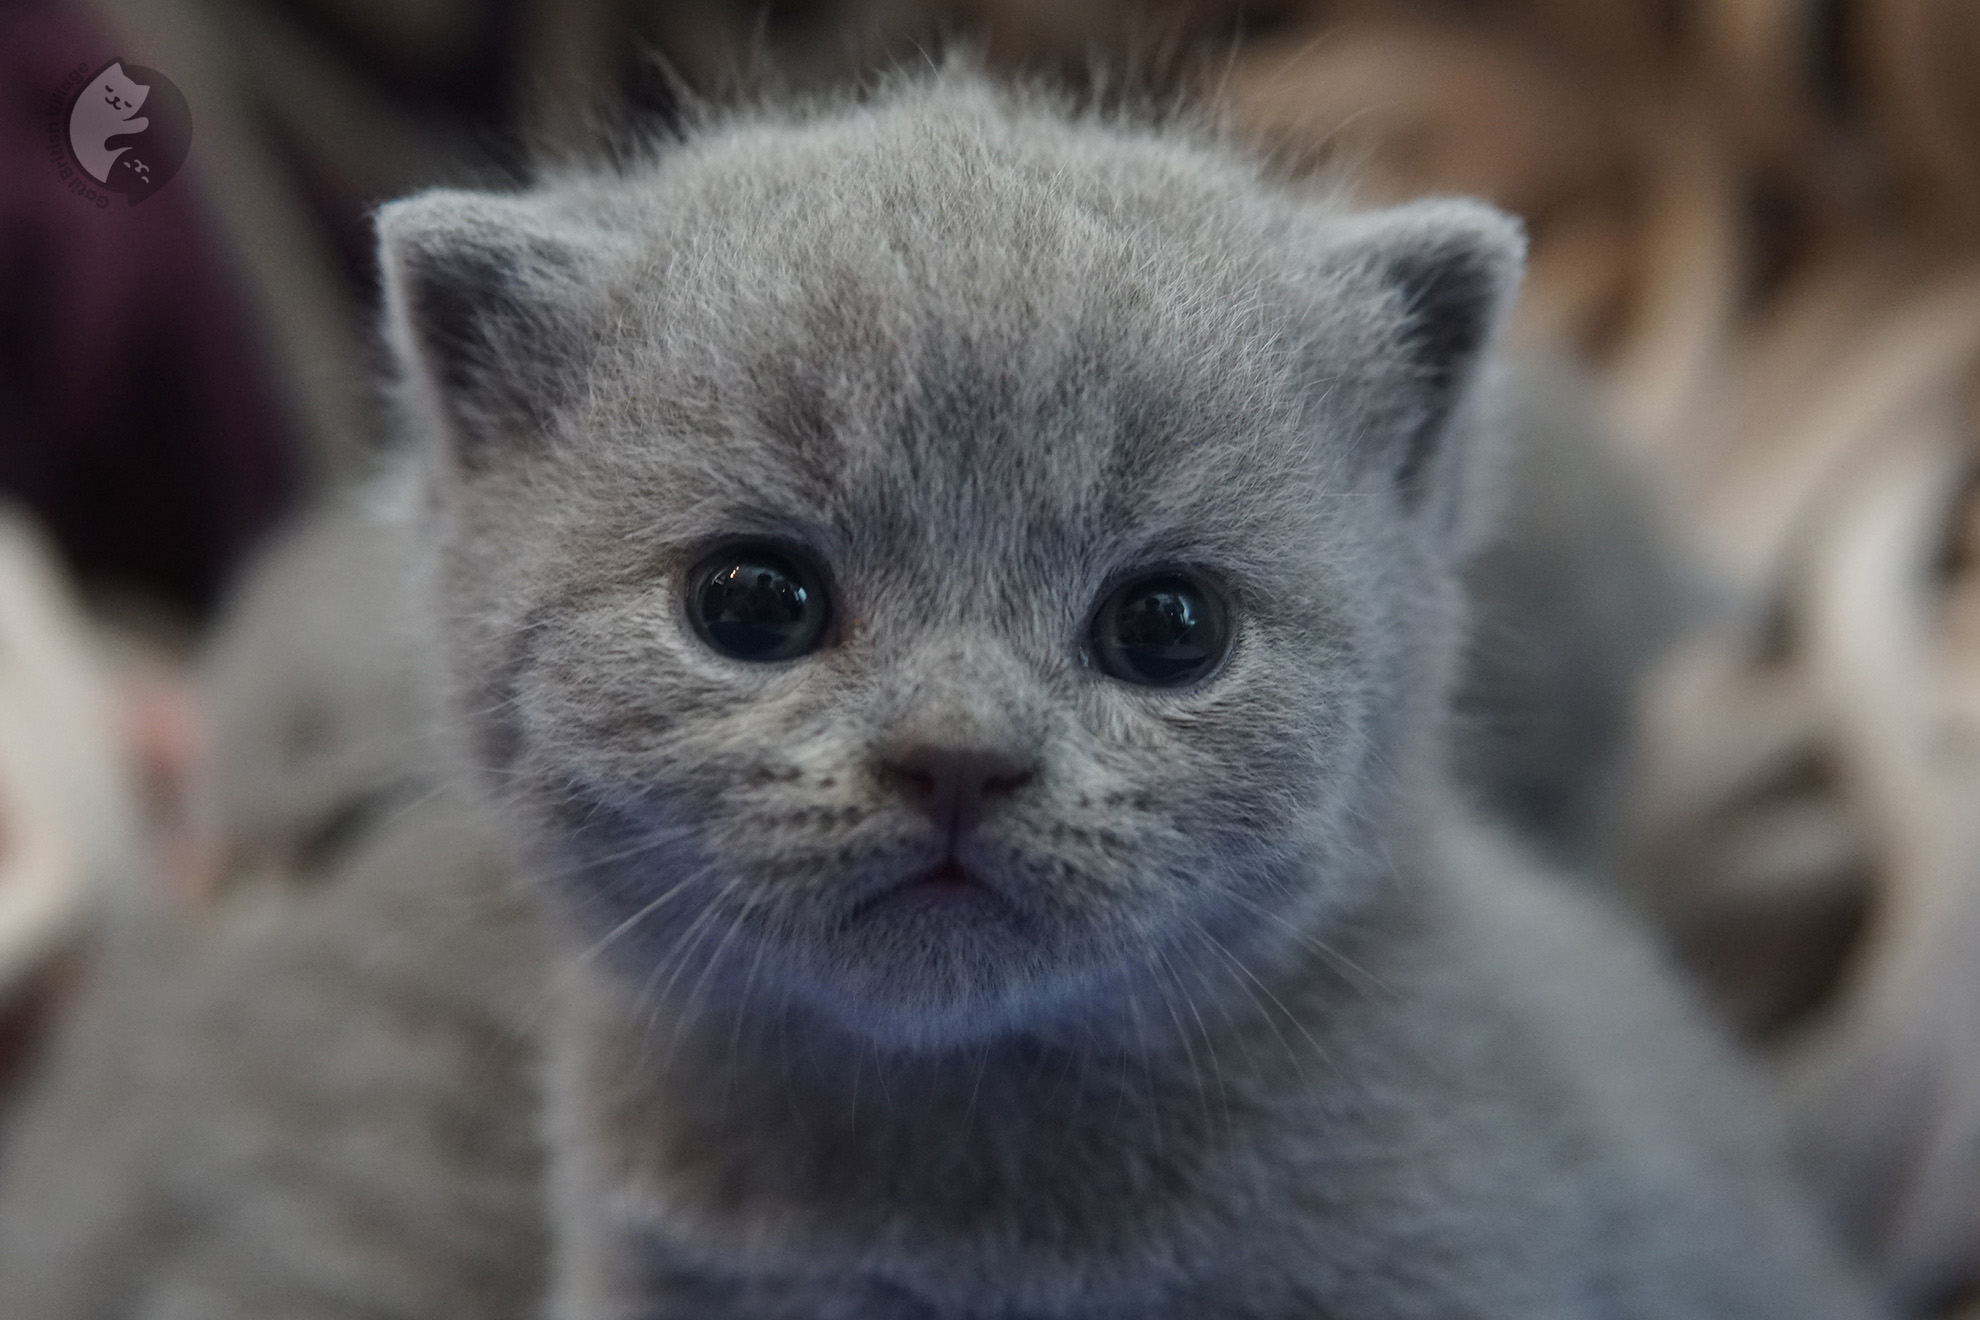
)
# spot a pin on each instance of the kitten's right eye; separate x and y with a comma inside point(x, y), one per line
point(754, 603)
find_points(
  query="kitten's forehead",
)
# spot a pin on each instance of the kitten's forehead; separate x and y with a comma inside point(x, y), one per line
point(1052, 365)
point(952, 319)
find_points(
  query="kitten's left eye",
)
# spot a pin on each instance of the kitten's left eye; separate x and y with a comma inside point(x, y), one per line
point(1163, 630)
point(754, 603)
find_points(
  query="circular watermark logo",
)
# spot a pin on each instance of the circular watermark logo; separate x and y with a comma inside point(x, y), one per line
point(123, 129)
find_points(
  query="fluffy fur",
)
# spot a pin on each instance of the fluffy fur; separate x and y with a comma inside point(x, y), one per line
point(316, 1096)
point(1242, 1033)
point(1247, 1019)
point(1576, 593)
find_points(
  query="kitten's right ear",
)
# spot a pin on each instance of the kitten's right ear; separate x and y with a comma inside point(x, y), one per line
point(492, 312)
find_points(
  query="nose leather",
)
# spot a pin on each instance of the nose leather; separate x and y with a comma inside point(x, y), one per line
point(952, 785)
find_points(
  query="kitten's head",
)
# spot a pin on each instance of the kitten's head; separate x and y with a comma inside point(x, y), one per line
point(122, 94)
point(943, 561)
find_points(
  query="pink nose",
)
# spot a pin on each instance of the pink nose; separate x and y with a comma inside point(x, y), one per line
point(951, 784)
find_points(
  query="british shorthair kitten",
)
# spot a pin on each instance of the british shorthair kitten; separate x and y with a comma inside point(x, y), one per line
point(953, 604)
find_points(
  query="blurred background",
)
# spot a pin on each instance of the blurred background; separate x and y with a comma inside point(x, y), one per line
point(1755, 226)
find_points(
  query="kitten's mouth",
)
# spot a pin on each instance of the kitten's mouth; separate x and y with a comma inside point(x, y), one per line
point(949, 875)
point(949, 889)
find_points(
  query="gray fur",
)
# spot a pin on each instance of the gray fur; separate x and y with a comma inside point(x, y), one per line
point(316, 1095)
point(323, 709)
point(1254, 1035)
point(321, 1105)
point(1578, 590)
point(1261, 1025)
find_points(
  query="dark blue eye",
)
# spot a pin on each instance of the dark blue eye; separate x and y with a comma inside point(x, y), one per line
point(753, 603)
point(1163, 630)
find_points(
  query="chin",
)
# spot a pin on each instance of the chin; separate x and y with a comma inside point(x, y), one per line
point(911, 1025)
point(925, 981)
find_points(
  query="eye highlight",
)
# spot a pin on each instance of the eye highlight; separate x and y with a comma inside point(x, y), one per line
point(1163, 630)
point(751, 602)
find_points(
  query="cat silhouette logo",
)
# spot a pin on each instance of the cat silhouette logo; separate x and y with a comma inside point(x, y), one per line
point(129, 129)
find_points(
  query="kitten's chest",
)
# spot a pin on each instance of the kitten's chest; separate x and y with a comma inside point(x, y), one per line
point(1035, 1185)
point(1268, 1179)
point(1034, 1178)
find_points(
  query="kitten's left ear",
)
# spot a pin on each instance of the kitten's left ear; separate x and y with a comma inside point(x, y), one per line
point(1448, 270)
point(493, 307)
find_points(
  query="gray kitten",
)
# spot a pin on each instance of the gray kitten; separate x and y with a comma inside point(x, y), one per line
point(956, 603)
point(316, 1093)
point(960, 602)
point(1576, 592)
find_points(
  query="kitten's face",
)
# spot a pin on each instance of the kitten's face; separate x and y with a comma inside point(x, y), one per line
point(959, 806)
point(120, 93)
